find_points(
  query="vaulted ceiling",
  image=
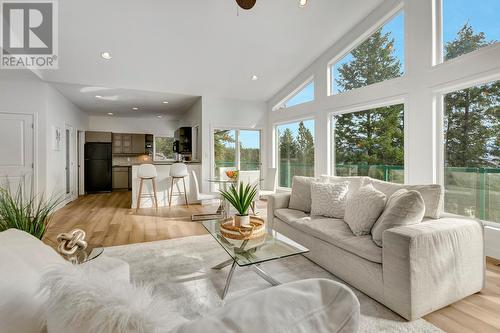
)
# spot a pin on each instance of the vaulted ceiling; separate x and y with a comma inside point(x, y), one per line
point(197, 47)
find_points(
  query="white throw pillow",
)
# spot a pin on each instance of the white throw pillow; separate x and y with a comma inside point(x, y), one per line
point(403, 208)
point(86, 300)
point(301, 193)
point(363, 209)
point(329, 199)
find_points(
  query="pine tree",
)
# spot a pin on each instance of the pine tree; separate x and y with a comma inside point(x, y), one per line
point(305, 145)
point(472, 115)
point(373, 136)
point(288, 145)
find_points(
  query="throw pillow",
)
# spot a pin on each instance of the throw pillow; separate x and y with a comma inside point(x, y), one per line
point(363, 209)
point(403, 208)
point(329, 199)
point(301, 193)
point(86, 300)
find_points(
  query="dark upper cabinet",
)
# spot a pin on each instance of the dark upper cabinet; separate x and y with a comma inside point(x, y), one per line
point(138, 143)
point(183, 137)
point(130, 144)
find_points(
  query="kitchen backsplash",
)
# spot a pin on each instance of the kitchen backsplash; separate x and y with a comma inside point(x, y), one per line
point(131, 160)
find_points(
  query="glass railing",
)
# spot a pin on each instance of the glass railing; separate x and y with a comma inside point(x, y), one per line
point(473, 192)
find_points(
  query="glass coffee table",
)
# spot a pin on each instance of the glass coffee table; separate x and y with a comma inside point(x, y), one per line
point(251, 253)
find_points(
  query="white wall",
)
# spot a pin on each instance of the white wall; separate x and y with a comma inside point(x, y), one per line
point(228, 113)
point(421, 89)
point(24, 92)
point(148, 125)
point(62, 113)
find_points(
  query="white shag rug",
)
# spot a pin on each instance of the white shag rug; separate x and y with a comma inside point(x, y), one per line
point(180, 270)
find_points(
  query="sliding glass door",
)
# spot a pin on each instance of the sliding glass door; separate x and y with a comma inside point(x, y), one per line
point(236, 149)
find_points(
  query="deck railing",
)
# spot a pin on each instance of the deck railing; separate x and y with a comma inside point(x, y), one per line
point(471, 192)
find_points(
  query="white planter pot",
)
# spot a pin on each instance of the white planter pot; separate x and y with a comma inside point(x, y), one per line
point(242, 220)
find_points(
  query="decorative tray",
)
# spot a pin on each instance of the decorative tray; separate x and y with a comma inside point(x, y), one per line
point(256, 229)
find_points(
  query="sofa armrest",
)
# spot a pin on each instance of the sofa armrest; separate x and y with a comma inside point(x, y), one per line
point(429, 265)
point(276, 201)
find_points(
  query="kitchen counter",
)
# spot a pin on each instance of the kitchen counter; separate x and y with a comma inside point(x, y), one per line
point(163, 185)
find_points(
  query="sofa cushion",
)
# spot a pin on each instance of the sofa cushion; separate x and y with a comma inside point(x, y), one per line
point(23, 259)
point(363, 209)
point(289, 215)
point(329, 199)
point(338, 233)
point(433, 195)
point(403, 208)
point(355, 183)
point(301, 193)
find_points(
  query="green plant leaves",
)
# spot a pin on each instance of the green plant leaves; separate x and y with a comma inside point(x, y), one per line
point(240, 198)
point(31, 214)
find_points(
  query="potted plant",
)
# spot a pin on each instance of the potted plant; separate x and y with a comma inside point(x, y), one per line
point(241, 198)
point(27, 213)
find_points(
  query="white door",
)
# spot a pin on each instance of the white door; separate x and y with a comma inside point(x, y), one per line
point(16, 151)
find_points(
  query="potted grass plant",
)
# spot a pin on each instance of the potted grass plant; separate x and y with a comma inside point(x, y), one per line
point(29, 213)
point(240, 198)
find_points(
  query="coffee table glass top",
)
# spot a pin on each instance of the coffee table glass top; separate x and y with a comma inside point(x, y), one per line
point(271, 246)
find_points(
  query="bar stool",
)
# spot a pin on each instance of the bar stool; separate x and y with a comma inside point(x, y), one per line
point(147, 172)
point(178, 171)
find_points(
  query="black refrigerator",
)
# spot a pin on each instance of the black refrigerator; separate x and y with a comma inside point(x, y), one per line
point(98, 167)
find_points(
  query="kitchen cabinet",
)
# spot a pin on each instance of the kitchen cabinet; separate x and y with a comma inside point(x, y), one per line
point(121, 178)
point(138, 143)
point(117, 143)
point(93, 136)
point(129, 143)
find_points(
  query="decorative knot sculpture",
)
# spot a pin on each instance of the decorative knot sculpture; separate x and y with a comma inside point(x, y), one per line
point(71, 242)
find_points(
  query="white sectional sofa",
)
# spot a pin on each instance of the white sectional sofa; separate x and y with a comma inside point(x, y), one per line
point(419, 268)
point(101, 299)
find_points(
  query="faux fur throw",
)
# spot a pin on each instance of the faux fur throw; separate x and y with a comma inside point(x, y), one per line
point(86, 300)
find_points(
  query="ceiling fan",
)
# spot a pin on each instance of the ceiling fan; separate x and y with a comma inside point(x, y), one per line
point(248, 4)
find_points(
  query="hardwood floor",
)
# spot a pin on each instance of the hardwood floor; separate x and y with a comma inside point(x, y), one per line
point(477, 313)
point(108, 220)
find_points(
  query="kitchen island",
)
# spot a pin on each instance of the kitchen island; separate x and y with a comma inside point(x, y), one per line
point(163, 186)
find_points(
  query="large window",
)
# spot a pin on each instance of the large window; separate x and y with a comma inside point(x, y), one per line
point(469, 25)
point(304, 94)
point(378, 58)
point(236, 150)
point(295, 151)
point(472, 151)
point(370, 143)
point(163, 148)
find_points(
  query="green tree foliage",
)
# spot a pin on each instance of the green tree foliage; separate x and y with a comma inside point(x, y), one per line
point(373, 136)
point(288, 145)
point(305, 145)
point(224, 146)
point(472, 115)
point(164, 147)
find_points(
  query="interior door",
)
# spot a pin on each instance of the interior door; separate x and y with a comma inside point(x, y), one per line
point(16, 151)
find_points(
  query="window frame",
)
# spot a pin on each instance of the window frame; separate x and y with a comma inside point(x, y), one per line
point(360, 108)
point(154, 147)
point(438, 39)
point(357, 42)
point(276, 147)
point(281, 105)
point(438, 100)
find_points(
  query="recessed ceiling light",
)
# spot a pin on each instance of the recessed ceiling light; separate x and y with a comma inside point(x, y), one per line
point(135, 108)
point(98, 96)
point(106, 55)
point(110, 113)
point(159, 116)
point(165, 102)
point(255, 77)
point(302, 3)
